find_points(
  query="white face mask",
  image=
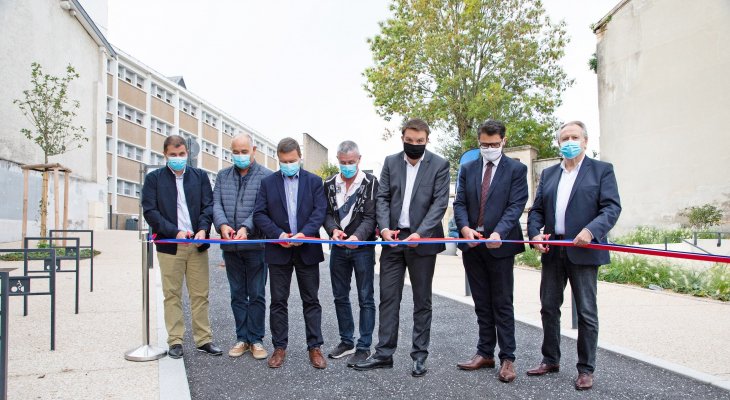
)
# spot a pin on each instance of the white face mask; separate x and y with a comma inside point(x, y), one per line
point(491, 154)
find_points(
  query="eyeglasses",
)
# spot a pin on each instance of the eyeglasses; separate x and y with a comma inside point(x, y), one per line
point(490, 145)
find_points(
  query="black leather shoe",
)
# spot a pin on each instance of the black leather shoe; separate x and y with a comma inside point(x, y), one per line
point(175, 351)
point(374, 363)
point(419, 368)
point(211, 349)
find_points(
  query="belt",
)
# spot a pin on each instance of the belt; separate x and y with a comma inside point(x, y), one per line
point(558, 237)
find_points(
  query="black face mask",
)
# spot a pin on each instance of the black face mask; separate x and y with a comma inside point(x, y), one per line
point(414, 151)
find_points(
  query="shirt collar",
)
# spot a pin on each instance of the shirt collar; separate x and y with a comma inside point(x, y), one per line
point(577, 167)
point(495, 162)
point(405, 157)
point(358, 178)
point(181, 175)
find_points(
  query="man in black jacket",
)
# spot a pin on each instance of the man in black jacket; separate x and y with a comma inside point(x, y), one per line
point(178, 204)
point(351, 216)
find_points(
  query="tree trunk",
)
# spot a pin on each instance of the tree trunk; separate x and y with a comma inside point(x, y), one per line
point(44, 205)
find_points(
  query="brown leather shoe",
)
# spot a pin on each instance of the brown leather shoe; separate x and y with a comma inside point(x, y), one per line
point(317, 359)
point(584, 381)
point(277, 359)
point(543, 369)
point(475, 363)
point(507, 371)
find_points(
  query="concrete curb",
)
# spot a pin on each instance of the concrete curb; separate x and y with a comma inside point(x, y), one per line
point(172, 375)
point(657, 362)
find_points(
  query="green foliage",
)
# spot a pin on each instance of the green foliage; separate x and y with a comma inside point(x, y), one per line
point(702, 217)
point(39, 255)
point(593, 63)
point(457, 63)
point(326, 170)
point(48, 108)
point(530, 258)
point(652, 235)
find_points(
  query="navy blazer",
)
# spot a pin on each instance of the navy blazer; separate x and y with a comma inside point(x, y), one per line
point(594, 204)
point(270, 216)
point(159, 203)
point(505, 204)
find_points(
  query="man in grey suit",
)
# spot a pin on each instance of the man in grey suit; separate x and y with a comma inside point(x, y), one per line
point(411, 201)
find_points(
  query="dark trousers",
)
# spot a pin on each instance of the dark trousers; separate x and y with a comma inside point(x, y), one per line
point(247, 279)
point(280, 282)
point(343, 262)
point(556, 271)
point(492, 284)
point(393, 264)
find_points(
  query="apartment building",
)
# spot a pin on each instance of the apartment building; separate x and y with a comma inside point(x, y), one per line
point(143, 108)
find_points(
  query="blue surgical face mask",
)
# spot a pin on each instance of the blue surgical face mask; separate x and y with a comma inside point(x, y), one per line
point(348, 171)
point(570, 149)
point(289, 169)
point(242, 161)
point(177, 163)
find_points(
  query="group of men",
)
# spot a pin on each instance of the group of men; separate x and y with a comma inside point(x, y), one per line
point(577, 199)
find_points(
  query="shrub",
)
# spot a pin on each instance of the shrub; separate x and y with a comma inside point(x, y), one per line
point(702, 217)
point(652, 235)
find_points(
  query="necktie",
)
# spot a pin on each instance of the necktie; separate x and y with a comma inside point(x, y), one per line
point(486, 180)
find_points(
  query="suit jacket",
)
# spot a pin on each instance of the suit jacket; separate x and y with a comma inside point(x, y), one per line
point(506, 201)
point(594, 204)
point(271, 217)
point(159, 203)
point(429, 198)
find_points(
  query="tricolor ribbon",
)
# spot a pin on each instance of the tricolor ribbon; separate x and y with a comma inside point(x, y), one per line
point(566, 243)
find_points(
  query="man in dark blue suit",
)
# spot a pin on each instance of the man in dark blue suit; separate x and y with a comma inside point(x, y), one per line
point(291, 204)
point(490, 198)
point(576, 200)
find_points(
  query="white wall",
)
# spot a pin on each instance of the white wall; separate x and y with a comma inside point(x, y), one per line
point(41, 31)
point(664, 100)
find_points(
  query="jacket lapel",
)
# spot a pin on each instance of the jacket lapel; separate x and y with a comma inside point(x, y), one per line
point(422, 170)
point(581, 174)
point(476, 182)
point(501, 167)
point(187, 184)
point(282, 190)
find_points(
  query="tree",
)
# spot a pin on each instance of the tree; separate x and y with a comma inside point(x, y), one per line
point(327, 170)
point(48, 107)
point(458, 63)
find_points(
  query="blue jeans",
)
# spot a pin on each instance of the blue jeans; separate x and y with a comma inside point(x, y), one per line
point(342, 263)
point(247, 279)
point(556, 271)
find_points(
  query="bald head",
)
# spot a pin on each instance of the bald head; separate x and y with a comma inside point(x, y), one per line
point(243, 144)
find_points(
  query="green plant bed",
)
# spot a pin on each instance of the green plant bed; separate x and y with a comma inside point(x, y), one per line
point(39, 255)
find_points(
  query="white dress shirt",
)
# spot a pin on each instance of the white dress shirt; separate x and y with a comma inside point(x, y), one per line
point(404, 221)
point(491, 178)
point(343, 194)
point(565, 186)
point(183, 215)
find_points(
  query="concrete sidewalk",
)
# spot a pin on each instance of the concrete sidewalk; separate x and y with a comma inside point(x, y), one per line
point(690, 332)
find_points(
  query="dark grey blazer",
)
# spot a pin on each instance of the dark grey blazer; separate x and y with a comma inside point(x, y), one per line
point(429, 198)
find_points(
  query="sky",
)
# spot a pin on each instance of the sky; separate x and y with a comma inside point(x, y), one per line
point(288, 67)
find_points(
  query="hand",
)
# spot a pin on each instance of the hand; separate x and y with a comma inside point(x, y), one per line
point(470, 234)
point(494, 245)
point(226, 231)
point(199, 236)
point(242, 234)
point(389, 236)
point(183, 235)
point(413, 236)
point(338, 235)
point(298, 236)
point(583, 238)
point(539, 247)
point(352, 238)
point(285, 235)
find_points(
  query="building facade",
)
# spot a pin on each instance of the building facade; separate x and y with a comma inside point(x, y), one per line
point(314, 154)
point(663, 99)
point(144, 107)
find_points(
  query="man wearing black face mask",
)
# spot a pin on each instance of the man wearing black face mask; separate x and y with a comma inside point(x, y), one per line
point(410, 204)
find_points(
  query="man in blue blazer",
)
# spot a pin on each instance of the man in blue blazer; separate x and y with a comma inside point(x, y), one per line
point(178, 204)
point(576, 200)
point(490, 198)
point(291, 204)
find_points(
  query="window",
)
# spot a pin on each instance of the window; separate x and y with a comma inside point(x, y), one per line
point(108, 65)
point(157, 159)
point(109, 104)
point(188, 107)
point(160, 127)
point(228, 128)
point(109, 144)
point(212, 176)
point(210, 148)
point(210, 119)
point(130, 114)
point(129, 151)
point(227, 155)
point(126, 188)
point(271, 152)
point(161, 93)
point(186, 135)
point(130, 77)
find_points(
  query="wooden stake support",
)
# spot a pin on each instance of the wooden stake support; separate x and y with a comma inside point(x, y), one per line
point(45, 168)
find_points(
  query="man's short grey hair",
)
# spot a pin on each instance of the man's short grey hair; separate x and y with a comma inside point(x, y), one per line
point(579, 124)
point(348, 146)
point(246, 135)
